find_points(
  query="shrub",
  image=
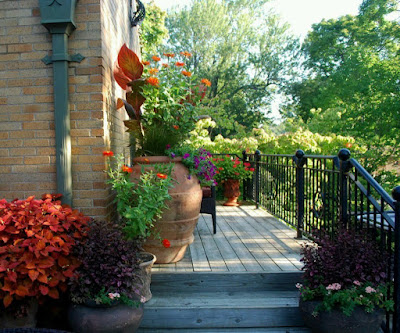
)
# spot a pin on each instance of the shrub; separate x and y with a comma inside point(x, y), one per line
point(37, 240)
point(110, 264)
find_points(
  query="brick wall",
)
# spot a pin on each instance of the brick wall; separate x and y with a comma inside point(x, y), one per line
point(27, 145)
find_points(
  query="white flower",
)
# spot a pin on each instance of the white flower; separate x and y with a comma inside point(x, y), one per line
point(299, 285)
point(370, 290)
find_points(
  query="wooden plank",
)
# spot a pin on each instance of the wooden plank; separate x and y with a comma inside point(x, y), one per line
point(268, 257)
point(185, 265)
point(197, 251)
point(228, 254)
point(247, 259)
point(214, 257)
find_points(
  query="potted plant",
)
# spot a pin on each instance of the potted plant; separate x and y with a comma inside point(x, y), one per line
point(105, 292)
point(163, 100)
point(36, 258)
point(344, 284)
point(230, 171)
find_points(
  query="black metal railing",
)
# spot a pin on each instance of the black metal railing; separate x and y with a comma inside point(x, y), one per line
point(315, 193)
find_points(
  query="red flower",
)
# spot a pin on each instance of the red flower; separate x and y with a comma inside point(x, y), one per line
point(246, 164)
point(251, 169)
point(206, 82)
point(108, 153)
point(220, 168)
point(165, 65)
point(186, 73)
point(169, 55)
point(237, 173)
point(153, 81)
point(146, 160)
point(162, 176)
point(179, 64)
point(155, 58)
point(175, 127)
point(127, 169)
point(166, 243)
point(348, 145)
point(235, 166)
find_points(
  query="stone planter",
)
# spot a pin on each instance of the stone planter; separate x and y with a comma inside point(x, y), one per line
point(231, 192)
point(179, 220)
point(22, 315)
point(147, 261)
point(336, 321)
point(119, 318)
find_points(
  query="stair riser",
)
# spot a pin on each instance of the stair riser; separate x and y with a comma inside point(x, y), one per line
point(221, 318)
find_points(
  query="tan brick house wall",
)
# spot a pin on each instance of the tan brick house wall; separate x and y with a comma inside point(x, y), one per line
point(27, 137)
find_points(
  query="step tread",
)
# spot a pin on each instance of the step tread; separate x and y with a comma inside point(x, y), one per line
point(241, 299)
point(228, 330)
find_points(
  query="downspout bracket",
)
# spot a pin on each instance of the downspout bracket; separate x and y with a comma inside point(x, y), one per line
point(63, 57)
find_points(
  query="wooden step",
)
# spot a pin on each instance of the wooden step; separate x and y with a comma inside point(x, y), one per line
point(214, 301)
point(228, 330)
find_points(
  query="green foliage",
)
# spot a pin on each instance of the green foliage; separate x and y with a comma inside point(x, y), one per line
point(140, 203)
point(152, 30)
point(245, 52)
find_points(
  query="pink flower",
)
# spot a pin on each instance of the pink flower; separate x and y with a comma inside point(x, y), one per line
point(114, 295)
point(357, 283)
point(299, 285)
point(334, 286)
point(370, 290)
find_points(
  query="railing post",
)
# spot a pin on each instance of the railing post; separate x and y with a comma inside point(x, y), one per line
point(257, 171)
point(396, 319)
point(344, 167)
point(245, 182)
point(300, 160)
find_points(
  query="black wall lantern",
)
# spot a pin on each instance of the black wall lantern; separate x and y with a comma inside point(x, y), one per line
point(137, 16)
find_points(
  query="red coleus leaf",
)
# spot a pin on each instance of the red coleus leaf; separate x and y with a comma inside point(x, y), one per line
point(53, 293)
point(62, 261)
point(7, 300)
point(33, 274)
point(42, 278)
point(22, 291)
point(12, 276)
point(130, 63)
point(43, 289)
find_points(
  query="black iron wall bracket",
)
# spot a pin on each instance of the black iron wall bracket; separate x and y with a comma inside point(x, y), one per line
point(63, 57)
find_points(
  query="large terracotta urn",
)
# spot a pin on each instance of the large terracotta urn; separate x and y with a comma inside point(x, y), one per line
point(231, 192)
point(180, 218)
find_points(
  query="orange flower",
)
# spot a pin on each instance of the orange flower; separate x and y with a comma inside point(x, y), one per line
point(153, 81)
point(155, 58)
point(162, 176)
point(146, 160)
point(146, 63)
point(108, 153)
point(169, 55)
point(127, 169)
point(179, 64)
point(175, 127)
point(348, 145)
point(153, 71)
point(186, 54)
point(186, 73)
point(206, 82)
point(165, 65)
point(166, 243)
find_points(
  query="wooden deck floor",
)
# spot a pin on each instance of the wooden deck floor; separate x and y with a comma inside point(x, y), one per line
point(247, 240)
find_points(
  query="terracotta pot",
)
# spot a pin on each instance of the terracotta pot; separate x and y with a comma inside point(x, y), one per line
point(231, 192)
point(147, 260)
point(119, 318)
point(179, 220)
point(19, 315)
point(336, 321)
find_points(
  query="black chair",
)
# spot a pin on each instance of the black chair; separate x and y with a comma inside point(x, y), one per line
point(208, 204)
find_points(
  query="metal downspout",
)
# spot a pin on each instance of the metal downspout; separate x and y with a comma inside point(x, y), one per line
point(60, 32)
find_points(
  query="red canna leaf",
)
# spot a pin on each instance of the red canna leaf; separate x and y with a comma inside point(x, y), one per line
point(135, 97)
point(130, 63)
point(120, 103)
point(121, 78)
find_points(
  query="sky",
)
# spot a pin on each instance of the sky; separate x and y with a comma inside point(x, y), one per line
point(300, 14)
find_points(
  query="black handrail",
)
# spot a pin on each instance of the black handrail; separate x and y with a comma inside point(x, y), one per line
point(314, 192)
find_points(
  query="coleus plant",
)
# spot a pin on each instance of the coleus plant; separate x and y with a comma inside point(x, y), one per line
point(170, 96)
point(36, 242)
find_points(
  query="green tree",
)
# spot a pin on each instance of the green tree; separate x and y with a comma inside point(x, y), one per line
point(245, 52)
point(153, 30)
point(353, 78)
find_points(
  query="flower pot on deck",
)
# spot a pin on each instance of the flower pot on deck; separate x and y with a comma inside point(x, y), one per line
point(179, 220)
point(232, 192)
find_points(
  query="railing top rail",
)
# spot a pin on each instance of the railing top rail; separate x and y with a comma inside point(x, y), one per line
point(291, 155)
point(378, 188)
